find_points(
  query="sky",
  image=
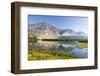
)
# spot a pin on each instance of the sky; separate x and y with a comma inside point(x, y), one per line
point(76, 23)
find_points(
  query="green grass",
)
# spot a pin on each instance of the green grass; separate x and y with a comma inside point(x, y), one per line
point(65, 39)
point(35, 54)
point(82, 44)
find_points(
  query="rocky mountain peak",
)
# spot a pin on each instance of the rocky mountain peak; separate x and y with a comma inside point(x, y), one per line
point(43, 30)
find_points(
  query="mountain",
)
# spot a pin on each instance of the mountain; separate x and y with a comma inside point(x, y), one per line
point(66, 32)
point(43, 31)
point(81, 34)
point(70, 34)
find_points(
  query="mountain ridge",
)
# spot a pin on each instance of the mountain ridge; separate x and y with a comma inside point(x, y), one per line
point(45, 30)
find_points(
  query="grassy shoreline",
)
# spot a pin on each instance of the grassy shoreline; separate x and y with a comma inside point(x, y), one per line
point(82, 44)
point(38, 54)
point(80, 40)
point(35, 54)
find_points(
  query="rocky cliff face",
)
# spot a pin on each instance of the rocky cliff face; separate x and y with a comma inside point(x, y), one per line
point(43, 31)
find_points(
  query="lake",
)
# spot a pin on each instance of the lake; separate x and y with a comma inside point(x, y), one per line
point(69, 47)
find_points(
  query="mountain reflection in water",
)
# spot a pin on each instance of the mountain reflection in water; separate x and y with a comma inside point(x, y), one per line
point(69, 46)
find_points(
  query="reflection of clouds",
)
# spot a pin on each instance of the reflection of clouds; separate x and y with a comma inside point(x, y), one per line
point(73, 49)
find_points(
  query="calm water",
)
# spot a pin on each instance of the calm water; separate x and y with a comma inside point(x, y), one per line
point(70, 47)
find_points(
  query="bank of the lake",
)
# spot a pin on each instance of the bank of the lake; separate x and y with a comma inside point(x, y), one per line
point(34, 54)
point(39, 54)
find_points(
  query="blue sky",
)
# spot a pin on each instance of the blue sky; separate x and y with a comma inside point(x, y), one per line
point(75, 23)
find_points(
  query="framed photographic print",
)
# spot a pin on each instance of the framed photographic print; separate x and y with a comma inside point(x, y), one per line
point(52, 37)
